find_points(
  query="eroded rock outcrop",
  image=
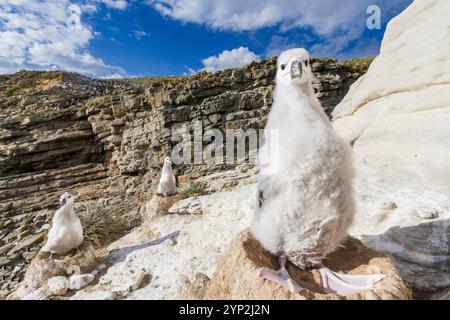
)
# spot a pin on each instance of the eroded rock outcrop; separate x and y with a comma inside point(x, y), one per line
point(397, 117)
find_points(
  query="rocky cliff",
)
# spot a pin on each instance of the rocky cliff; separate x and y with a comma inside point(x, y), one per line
point(107, 138)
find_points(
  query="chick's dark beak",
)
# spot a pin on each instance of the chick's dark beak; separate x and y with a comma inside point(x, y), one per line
point(296, 69)
point(62, 203)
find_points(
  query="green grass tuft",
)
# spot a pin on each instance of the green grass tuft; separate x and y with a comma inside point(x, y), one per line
point(358, 65)
point(193, 189)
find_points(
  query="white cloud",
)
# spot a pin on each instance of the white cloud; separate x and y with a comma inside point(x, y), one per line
point(189, 71)
point(116, 4)
point(335, 22)
point(139, 34)
point(229, 59)
point(114, 76)
point(47, 34)
point(323, 15)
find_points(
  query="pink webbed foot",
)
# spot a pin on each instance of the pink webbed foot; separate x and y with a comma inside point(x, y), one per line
point(281, 276)
point(345, 284)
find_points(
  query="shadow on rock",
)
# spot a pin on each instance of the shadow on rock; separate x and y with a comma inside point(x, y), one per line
point(119, 255)
point(421, 254)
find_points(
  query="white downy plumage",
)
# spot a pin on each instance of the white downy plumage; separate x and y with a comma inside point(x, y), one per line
point(66, 232)
point(305, 203)
point(167, 183)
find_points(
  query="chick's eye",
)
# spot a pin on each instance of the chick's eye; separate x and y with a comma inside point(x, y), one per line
point(283, 66)
point(306, 62)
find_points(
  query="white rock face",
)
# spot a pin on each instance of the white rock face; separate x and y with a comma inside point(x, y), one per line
point(122, 281)
point(58, 285)
point(398, 118)
point(95, 295)
point(188, 206)
point(42, 293)
point(79, 281)
point(186, 244)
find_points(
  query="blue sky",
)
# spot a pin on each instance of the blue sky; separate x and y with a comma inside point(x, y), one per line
point(122, 38)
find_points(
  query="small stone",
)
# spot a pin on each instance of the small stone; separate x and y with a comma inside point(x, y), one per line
point(427, 214)
point(19, 218)
point(79, 281)
point(10, 237)
point(128, 282)
point(7, 223)
point(4, 261)
point(117, 123)
point(101, 266)
point(58, 285)
point(6, 248)
point(121, 290)
point(28, 255)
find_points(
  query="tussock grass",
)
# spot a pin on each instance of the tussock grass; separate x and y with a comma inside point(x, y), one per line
point(101, 224)
point(193, 189)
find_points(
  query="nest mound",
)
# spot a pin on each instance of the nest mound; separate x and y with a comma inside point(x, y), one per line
point(236, 274)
